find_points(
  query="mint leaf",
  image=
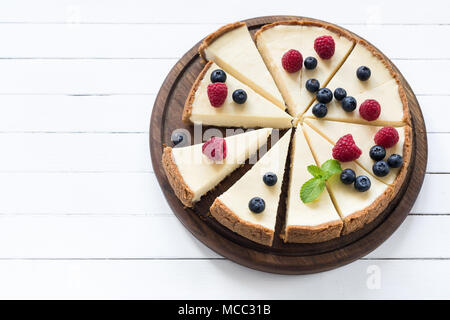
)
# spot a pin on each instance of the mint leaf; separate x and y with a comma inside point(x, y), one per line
point(311, 189)
point(330, 168)
point(315, 171)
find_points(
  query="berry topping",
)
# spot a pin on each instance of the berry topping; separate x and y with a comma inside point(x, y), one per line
point(218, 76)
point(312, 85)
point(324, 46)
point(380, 168)
point(346, 149)
point(215, 149)
point(178, 138)
point(363, 73)
point(310, 63)
point(324, 95)
point(340, 94)
point(320, 110)
point(348, 176)
point(348, 104)
point(377, 153)
point(370, 110)
point(239, 96)
point(292, 61)
point(386, 137)
point(256, 205)
point(217, 93)
point(270, 178)
point(362, 183)
point(395, 161)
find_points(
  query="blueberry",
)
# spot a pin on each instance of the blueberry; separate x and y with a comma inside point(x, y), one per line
point(239, 96)
point(362, 183)
point(256, 205)
point(395, 161)
point(340, 94)
point(218, 76)
point(348, 104)
point(363, 73)
point(324, 95)
point(380, 168)
point(348, 176)
point(377, 153)
point(310, 63)
point(178, 138)
point(270, 178)
point(312, 85)
point(320, 110)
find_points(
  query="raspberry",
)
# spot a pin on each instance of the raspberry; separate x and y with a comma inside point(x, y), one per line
point(346, 149)
point(386, 137)
point(217, 93)
point(370, 110)
point(292, 61)
point(215, 149)
point(324, 46)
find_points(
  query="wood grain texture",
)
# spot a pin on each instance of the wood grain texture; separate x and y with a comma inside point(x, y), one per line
point(280, 258)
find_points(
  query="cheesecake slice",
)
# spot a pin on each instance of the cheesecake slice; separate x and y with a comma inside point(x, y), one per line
point(390, 96)
point(364, 139)
point(356, 208)
point(316, 221)
point(191, 174)
point(274, 40)
point(232, 48)
point(233, 208)
point(256, 111)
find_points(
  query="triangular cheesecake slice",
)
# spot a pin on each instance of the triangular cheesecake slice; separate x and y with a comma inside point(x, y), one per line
point(274, 40)
point(307, 222)
point(364, 139)
point(356, 208)
point(237, 208)
point(192, 174)
point(390, 96)
point(232, 48)
point(256, 111)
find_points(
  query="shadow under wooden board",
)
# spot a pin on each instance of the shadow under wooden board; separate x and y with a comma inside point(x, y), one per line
point(281, 257)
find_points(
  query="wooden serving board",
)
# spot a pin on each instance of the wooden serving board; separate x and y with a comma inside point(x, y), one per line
point(281, 257)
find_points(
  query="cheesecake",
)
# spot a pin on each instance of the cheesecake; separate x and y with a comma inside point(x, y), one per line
point(317, 221)
point(232, 49)
point(355, 208)
point(192, 174)
point(274, 40)
point(252, 111)
point(250, 206)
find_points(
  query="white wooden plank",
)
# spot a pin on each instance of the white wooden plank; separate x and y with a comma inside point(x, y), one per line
point(141, 11)
point(434, 195)
point(173, 40)
point(220, 279)
point(435, 112)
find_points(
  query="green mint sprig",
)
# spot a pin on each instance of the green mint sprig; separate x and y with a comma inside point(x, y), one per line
point(312, 188)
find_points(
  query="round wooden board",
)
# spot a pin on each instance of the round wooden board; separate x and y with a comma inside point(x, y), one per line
point(280, 258)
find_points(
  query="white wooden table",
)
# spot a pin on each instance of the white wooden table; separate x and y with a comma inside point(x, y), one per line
point(81, 213)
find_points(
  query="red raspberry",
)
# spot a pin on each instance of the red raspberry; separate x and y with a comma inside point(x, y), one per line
point(386, 137)
point(215, 149)
point(292, 61)
point(324, 46)
point(370, 110)
point(217, 93)
point(346, 149)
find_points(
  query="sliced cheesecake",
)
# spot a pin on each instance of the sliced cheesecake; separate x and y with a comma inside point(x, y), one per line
point(316, 221)
point(192, 174)
point(232, 48)
point(364, 139)
point(274, 40)
point(356, 208)
point(390, 96)
point(256, 111)
point(235, 209)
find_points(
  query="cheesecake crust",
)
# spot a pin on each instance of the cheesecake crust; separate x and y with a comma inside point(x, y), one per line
point(312, 234)
point(213, 36)
point(229, 219)
point(176, 181)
